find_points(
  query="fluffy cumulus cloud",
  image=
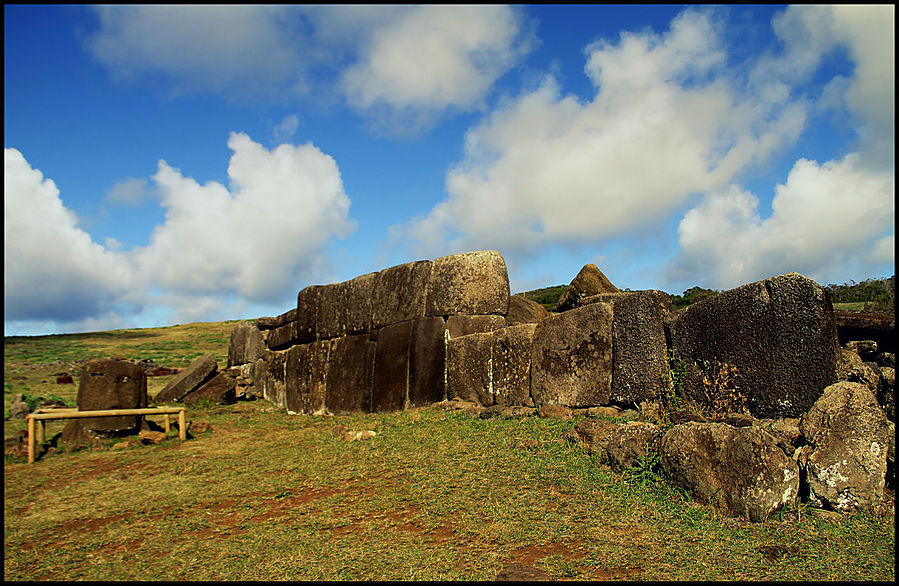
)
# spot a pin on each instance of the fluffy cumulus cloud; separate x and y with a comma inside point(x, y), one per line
point(673, 122)
point(404, 66)
point(827, 220)
point(434, 58)
point(52, 269)
point(255, 237)
point(219, 247)
point(664, 123)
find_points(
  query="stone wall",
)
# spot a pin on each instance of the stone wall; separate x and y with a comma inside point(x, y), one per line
point(426, 331)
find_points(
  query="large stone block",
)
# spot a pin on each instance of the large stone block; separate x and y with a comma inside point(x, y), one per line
point(427, 362)
point(281, 337)
point(739, 469)
point(198, 372)
point(462, 325)
point(306, 374)
point(469, 368)
point(390, 387)
point(589, 281)
point(307, 313)
point(275, 390)
point(524, 311)
point(331, 317)
point(639, 349)
point(511, 356)
point(845, 457)
point(111, 384)
point(357, 305)
point(399, 293)
point(350, 371)
point(473, 283)
point(571, 359)
point(245, 345)
point(270, 323)
point(219, 389)
point(779, 334)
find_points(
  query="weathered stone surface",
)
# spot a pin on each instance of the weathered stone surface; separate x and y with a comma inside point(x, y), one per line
point(738, 469)
point(390, 387)
point(351, 365)
point(111, 384)
point(511, 356)
point(330, 320)
point(274, 389)
point(219, 388)
point(851, 368)
point(471, 283)
point(246, 344)
point(270, 323)
point(886, 395)
point(639, 350)
point(306, 373)
point(18, 409)
point(65, 379)
point(427, 362)
point(778, 333)
point(571, 359)
point(198, 372)
point(554, 412)
point(589, 281)
point(462, 325)
point(281, 337)
point(357, 318)
point(399, 293)
point(620, 445)
point(469, 368)
point(786, 431)
point(524, 311)
point(847, 439)
point(307, 314)
point(148, 436)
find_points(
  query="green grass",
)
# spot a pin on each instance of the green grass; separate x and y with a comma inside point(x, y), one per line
point(433, 496)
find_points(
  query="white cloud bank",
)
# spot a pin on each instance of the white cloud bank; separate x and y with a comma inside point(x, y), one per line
point(250, 241)
point(52, 269)
point(670, 121)
point(664, 124)
point(403, 66)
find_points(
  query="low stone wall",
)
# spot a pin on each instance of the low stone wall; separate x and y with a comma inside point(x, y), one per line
point(425, 331)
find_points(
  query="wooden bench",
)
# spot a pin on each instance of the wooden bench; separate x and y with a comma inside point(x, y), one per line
point(42, 415)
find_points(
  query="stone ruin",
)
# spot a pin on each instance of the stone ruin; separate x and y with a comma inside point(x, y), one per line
point(444, 331)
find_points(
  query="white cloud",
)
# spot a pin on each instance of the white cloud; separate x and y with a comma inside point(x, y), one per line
point(237, 50)
point(405, 66)
point(256, 238)
point(435, 58)
point(665, 123)
point(219, 248)
point(827, 221)
point(810, 33)
point(52, 268)
point(285, 129)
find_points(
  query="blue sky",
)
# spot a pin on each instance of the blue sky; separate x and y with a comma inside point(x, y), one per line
point(173, 164)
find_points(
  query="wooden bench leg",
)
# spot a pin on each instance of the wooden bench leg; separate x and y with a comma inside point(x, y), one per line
point(182, 426)
point(41, 433)
point(166, 422)
point(30, 440)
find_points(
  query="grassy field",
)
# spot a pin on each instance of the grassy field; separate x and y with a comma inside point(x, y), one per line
point(263, 495)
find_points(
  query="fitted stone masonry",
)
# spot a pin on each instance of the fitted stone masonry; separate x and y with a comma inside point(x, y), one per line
point(425, 331)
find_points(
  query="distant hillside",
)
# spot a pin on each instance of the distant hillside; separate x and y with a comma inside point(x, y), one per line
point(871, 294)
